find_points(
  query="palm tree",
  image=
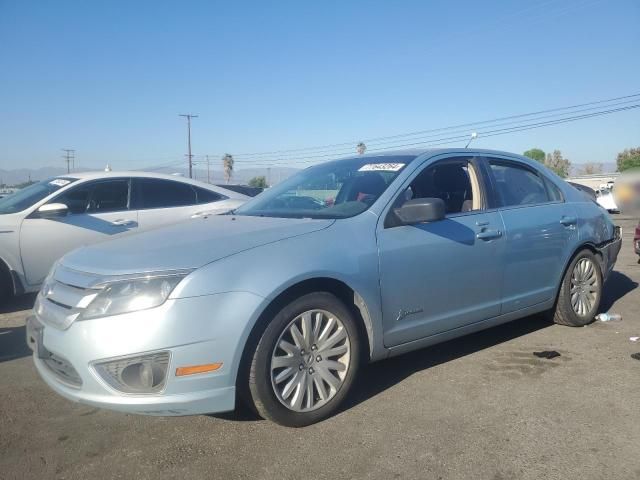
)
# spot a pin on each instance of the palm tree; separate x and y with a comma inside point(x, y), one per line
point(227, 165)
point(361, 148)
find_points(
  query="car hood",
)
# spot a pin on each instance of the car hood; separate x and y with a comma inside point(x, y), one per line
point(187, 245)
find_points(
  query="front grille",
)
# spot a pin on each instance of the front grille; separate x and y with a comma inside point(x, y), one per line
point(63, 370)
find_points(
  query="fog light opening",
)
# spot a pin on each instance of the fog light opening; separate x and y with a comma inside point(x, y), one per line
point(144, 374)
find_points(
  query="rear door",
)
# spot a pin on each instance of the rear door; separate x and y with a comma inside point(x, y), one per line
point(164, 202)
point(540, 232)
point(98, 210)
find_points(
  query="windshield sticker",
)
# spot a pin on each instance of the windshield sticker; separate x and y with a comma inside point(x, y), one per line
point(381, 167)
point(59, 182)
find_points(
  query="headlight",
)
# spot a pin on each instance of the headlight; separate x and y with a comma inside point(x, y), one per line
point(47, 285)
point(132, 295)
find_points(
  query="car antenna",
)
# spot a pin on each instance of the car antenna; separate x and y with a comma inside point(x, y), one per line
point(474, 135)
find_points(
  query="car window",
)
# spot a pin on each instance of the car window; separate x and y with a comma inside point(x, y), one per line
point(76, 199)
point(555, 195)
point(28, 196)
point(453, 181)
point(207, 196)
point(111, 196)
point(517, 185)
point(158, 193)
point(96, 197)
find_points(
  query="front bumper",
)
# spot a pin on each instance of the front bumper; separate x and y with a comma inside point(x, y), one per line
point(609, 252)
point(195, 331)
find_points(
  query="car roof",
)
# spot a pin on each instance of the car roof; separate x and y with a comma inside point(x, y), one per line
point(100, 175)
point(413, 154)
point(417, 152)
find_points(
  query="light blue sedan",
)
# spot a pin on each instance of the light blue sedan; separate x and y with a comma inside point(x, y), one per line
point(280, 302)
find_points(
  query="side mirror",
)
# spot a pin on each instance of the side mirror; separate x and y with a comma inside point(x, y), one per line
point(53, 210)
point(421, 210)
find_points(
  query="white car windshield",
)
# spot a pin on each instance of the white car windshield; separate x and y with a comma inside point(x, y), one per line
point(28, 196)
point(339, 189)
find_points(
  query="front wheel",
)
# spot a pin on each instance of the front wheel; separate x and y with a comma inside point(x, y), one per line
point(305, 362)
point(6, 289)
point(581, 291)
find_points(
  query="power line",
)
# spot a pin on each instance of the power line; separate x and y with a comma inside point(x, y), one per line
point(464, 132)
point(442, 135)
point(189, 116)
point(448, 140)
point(69, 156)
point(434, 130)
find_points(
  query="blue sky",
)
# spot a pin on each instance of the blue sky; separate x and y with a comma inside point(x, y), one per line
point(110, 78)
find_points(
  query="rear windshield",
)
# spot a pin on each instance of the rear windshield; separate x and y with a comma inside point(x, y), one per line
point(28, 196)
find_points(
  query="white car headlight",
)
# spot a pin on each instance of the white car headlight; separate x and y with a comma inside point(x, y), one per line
point(125, 296)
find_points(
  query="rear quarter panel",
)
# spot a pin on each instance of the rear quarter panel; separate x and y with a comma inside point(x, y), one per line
point(594, 224)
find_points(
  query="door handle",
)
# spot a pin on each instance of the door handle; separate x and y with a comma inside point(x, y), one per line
point(488, 234)
point(567, 221)
point(121, 222)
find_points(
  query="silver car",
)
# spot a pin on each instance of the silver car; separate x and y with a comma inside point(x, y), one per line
point(42, 222)
point(280, 302)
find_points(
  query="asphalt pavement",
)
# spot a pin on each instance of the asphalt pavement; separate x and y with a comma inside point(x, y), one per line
point(479, 407)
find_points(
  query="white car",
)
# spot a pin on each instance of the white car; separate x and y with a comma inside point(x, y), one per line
point(42, 222)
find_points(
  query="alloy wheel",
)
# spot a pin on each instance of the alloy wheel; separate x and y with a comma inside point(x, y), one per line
point(585, 286)
point(310, 360)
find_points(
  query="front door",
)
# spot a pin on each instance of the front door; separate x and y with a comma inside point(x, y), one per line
point(98, 210)
point(446, 274)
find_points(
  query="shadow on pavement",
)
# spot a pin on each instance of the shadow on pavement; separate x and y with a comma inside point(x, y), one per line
point(616, 287)
point(377, 377)
point(13, 344)
point(19, 303)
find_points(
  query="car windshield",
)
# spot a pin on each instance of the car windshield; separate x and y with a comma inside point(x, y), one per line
point(339, 189)
point(22, 199)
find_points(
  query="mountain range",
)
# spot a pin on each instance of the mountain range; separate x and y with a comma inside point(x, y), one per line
point(241, 176)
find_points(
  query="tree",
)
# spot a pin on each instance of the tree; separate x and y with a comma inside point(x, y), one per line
point(258, 182)
point(591, 168)
point(535, 154)
point(556, 162)
point(227, 166)
point(628, 158)
point(361, 148)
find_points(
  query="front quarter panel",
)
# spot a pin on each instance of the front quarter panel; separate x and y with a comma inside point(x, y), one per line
point(346, 251)
point(10, 242)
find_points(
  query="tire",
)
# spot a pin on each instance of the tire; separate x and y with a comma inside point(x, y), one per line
point(295, 386)
point(578, 308)
point(6, 284)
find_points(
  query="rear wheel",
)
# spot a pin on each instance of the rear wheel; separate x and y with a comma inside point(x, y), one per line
point(305, 361)
point(581, 291)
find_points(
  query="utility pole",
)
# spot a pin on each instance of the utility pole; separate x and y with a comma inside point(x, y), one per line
point(69, 156)
point(189, 116)
point(208, 170)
